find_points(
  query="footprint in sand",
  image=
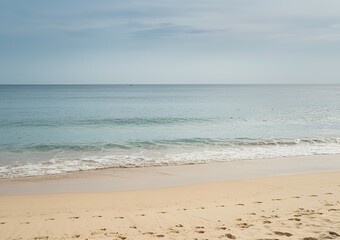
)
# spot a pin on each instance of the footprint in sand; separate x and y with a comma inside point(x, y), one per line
point(173, 230)
point(76, 236)
point(179, 225)
point(199, 229)
point(294, 219)
point(119, 217)
point(148, 233)
point(334, 210)
point(276, 199)
point(98, 216)
point(142, 215)
point(313, 195)
point(221, 228)
point(244, 225)
point(287, 234)
point(309, 238)
point(103, 229)
point(334, 234)
point(267, 222)
point(41, 237)
point(133, 227)
point(162, 212)
point(2, 223)
point(122, 237)
point(160, 235)
point(296, 197)
point(257, 202)
point(328, 193)
point(73, 217)
point(239, 204)
point(228, 235)
point(25, 223)
point(220, 205)
point(49, 219)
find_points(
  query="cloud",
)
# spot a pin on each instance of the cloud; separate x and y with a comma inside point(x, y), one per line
point(169, 29)
point(217, 30)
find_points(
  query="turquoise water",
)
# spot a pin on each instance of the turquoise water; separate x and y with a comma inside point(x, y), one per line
point(56, 129)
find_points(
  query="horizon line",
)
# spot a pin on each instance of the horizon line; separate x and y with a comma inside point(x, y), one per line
point(140, 84)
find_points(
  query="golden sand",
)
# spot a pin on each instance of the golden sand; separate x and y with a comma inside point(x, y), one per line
point(301, 206)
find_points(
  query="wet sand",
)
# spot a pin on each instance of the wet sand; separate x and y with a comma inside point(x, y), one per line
point(124, 179)
point(295, 206)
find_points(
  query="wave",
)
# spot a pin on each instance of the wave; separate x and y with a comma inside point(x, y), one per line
point(160, 153)
point(101, 122)
point(161, 144)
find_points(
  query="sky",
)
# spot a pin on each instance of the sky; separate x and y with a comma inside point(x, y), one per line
point(169, 42)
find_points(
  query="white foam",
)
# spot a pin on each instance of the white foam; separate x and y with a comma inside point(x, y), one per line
point(145, 158)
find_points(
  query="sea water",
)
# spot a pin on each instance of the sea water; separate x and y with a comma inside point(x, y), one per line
point(50, 129)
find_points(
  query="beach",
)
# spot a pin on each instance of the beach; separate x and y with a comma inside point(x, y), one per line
point(193, 120)
point(291, 198)
point(169, 161)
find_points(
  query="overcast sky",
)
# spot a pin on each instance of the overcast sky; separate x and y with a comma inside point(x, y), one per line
point(161, 41)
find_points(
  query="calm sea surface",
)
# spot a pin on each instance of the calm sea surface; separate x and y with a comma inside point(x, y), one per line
point(56, 129)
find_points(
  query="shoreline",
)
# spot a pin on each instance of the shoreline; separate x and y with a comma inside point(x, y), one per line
point(128, 179)
point(262, 199)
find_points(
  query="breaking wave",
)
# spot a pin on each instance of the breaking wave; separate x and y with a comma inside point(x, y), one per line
point(56, 159)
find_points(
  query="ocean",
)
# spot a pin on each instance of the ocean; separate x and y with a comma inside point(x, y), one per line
point(51, 129)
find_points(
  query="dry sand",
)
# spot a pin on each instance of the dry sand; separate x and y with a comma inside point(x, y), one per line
point(300, 206)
